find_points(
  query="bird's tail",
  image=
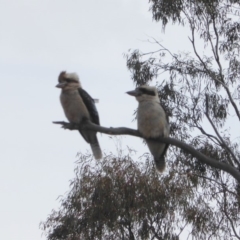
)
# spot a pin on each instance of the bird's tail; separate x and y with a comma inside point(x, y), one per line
point(97, 153)
point(91, 138)
point(160, 163)
point(158, 151)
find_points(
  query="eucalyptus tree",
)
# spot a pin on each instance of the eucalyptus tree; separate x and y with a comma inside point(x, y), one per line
point(121, 199)
point(200, 90)
point(201, 94)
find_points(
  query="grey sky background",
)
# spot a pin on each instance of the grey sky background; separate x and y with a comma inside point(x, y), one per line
point(38, 39)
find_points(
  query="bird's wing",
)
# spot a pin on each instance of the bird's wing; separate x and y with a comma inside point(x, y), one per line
point(165, 150)
point(166, 145)
point(90, 104)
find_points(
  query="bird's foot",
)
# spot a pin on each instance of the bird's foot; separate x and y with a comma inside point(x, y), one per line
point(67, 125)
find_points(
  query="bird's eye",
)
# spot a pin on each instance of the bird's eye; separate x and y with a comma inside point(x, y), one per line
point(70, 80)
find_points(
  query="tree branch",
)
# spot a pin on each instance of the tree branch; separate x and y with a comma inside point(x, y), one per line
point(216, 55)
point(128, 131)
point(226, 211)
point(223, 143)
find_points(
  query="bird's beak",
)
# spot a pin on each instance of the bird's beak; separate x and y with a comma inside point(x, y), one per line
point(134, 93)
point(61, 85)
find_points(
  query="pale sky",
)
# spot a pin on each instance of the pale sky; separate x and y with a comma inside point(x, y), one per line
point(38, 39)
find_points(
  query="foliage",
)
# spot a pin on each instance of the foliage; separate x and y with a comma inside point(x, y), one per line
point(122, 199)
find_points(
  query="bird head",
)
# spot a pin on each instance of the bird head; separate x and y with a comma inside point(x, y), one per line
point(68, 81)
point(145, 93)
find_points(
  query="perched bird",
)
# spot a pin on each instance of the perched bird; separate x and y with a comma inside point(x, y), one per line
point(152, 122)
point(78, 105)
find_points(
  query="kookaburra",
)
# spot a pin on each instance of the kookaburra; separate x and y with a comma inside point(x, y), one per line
point(152, 122)
point(78, 106)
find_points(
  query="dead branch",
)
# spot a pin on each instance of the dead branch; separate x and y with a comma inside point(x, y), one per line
point(128, 131)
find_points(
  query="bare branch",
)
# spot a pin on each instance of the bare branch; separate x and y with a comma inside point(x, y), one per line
point(218, 183)
point(232, 101)
point(210, 136)
point(128, 131)
point(91, 126)
point(215, 51)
